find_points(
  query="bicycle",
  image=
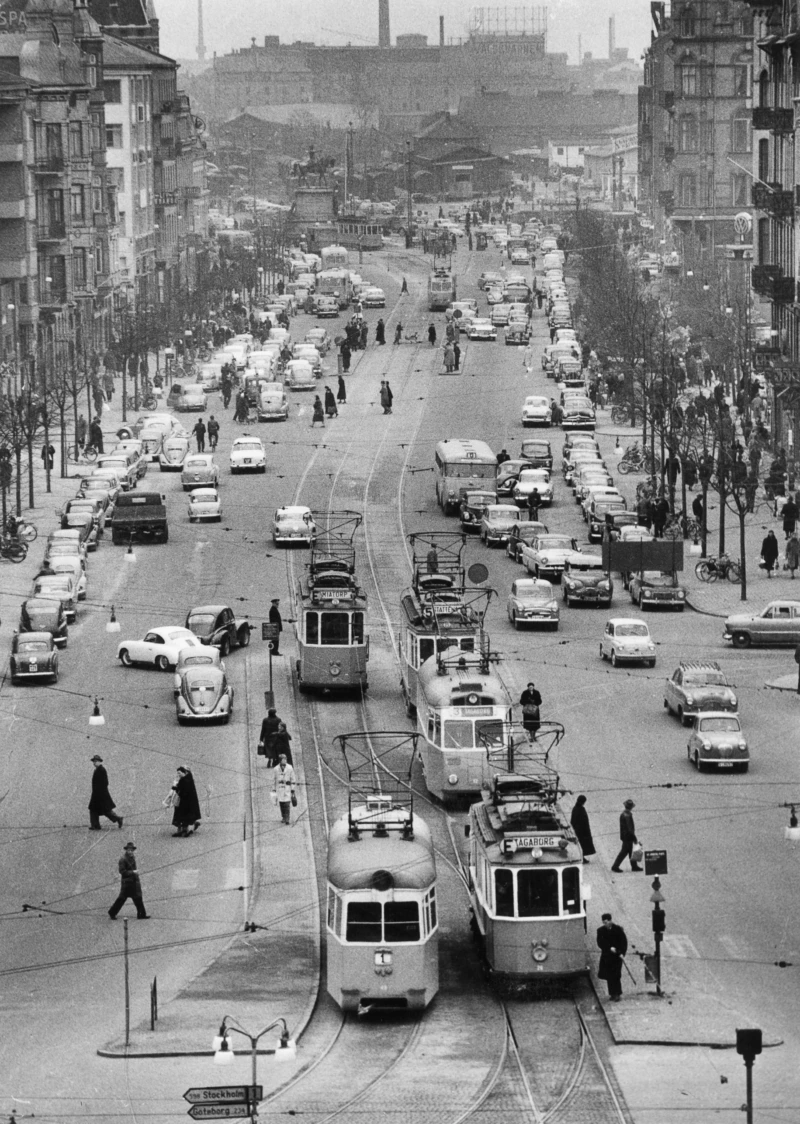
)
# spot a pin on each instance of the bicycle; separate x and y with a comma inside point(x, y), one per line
point(26, 532)
point(621, 414)
point(86, 455)
point(12, 550)
point(711, 568)
point(634, 460)
point(146, 401)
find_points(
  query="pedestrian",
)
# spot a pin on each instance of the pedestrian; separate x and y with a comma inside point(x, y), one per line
point(627, 833)
point(80, 431)
point(185, 804)
point(100, 802)
point(240, 414)
point(48, 456)
point(385, 397)
point(108, 384)
point(363, 335)
point(432, 561)
point(769, 553)
point(96, 435)
point(213, 432)
point(276, 619)
point(389, 395)
point(556, 412)
point(432, 335)
point(380, 332)
point(792, 553)
point(97, 397)
point(404, 287)
point(613, 944)
point(398, 334)
point(534, 503)
point(789, 514)
point(345, 353)
point(284, 792)
point(580, 825)
point(449, 358)
point(503, 456)
point(319, 413)
point(199, 432)
point(531, 701)
point(266, 739)
point(227, 390)
point(130, 885)
point(330, 403)
point(281, 743)
point(527, 359)
point(456, 354)
point(698, 509)
point(660, 514)
point(341, 393)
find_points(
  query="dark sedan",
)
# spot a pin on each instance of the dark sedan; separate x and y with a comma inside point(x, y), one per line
point(42, 614)
point(34, 656)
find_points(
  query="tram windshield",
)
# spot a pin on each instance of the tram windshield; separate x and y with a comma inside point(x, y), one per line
point(426, 643)
point(374, 922)
point(536, 893)
point(465, 469)
point(465, 733)
point(339, 629)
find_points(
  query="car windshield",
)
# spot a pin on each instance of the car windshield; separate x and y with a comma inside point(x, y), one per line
point(527, 532)
point(602, 508)
point(555, 542)
point(631, 630)
point(535, 592)
point(247, 445)
point(719, 725)
point(502, 515)
point(194, 661)
point(203, 497)
point(54, 581)
point(534, 476)
point(25, 646)
point(705, 679)
point(202, 621)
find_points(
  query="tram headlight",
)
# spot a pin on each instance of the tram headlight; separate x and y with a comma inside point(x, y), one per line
point(539, 952)
point(335, 670)
point(453, 779)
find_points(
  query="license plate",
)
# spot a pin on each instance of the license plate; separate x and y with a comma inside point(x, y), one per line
point(725, 764)
point(247, 460)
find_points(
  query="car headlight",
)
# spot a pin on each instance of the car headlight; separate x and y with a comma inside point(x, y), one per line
point(467, 517)
point(651, 647)
point(680, 594)
point(705, 745)
point(742, 745)
point(690, 700)
point(647, 593)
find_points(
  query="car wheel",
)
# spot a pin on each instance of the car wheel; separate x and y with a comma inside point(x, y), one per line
point(613, 658)
point(741, 640)
point(602, 653)
point(124, 657)
point(224, 647)
point(162, 663)
point(743, 768)
point(650, 663)
point(244, 637)
point(698, 764)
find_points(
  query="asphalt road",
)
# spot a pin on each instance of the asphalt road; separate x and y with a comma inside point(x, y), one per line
point(731, 892)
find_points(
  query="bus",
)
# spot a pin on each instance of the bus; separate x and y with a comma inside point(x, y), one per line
point(462, 466)
point(335, 283)
point(334, 257)
point(441, 289)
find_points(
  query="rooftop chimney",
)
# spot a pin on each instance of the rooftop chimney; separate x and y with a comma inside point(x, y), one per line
point(201, 46)
point(384, 34)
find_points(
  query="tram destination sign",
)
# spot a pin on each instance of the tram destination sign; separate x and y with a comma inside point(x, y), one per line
point(531, 842)
point(224, 1094)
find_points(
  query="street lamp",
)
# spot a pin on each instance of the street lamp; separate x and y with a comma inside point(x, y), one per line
point(285, 1050)
point(659, 925)
point(748, 1044)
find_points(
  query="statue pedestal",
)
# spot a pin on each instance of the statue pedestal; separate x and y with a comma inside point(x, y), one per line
point(313, 204)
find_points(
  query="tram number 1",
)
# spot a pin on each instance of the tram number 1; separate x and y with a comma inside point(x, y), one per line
point(383, 958)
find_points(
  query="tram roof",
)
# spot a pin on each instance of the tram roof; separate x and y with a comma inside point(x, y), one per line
point(447, 617)
point(493, 835)
point(411, 862)
point(439, 688)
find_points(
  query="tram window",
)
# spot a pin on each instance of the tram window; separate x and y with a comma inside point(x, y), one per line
point(489, 733)
point(334, 911)
point(433, 909)
point(467, 643)
point(459, 735)
point(312, 628)
point(358, 628)
point(425, 649)
point(363, 923)
point(504, 893)
point(335, 628)
point(537, 893)
point(401, 922)
point(571, 888)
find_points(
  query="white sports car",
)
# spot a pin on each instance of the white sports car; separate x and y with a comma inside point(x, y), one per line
point(204, 503)
point(247, 455)
point(160, 647)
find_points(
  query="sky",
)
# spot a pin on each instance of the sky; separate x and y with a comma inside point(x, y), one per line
point(232, 25)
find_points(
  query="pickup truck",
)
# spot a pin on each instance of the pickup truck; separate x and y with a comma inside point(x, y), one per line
point(139, 515)
point(216, 625)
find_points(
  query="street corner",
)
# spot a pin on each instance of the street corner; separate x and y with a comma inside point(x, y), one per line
point(788, 683)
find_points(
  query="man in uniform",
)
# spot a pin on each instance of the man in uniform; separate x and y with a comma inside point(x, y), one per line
point(276, 619)
point(613, 944)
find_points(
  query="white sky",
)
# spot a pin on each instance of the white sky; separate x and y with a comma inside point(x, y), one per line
point(228, 25)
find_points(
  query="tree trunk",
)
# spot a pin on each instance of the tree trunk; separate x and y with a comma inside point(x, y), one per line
point(29, 443)
point(743, 554)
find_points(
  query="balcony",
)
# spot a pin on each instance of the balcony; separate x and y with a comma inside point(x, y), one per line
point(165, 198)
point(52, 296)
point(49, 163)
point(51, 230)
point(768, 281)
point(772, 199)
point(776, 120)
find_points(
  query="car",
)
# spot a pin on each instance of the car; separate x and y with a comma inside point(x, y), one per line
point(194, 398)
point(160, 647)
point(325, 306)
point(547, 555)
point(133, 448)
point(536, 410)
point(473, 504)
point(293, 526)
point(482, 330)
point(531, 479)
point(273, 405)
point(216, 626)
point(698, 686)
point(68, 540)
point(497, 521)
point(373, 297)
point(499, 314)
point(82, 521)
point(199, 471)
point(152, 438)
point(203, 695)
point(204, 504)
point(652, 589)
point(631, 533)
point(538, 452)
point(172, 454)
point(494, 295)
point(532, 601)
point(778, 624)
point(110, 478)
point(209, 374)
point(299, 375)
point(91, 505)
point(57, 587)
point(584, 581)
point(717, 740)
point(587, 478)
point(43, 614)
point(627, 640)
point(34, 655)
point(247, 455)
point(308, 352)
point(67, 564)
point(523, 534)
point(204, 656)
point(517, 334)
point(320, 339)
point(600, 507)
point(574, 440)
point(519, 257)
point(578, 414)
point(507, 476)
point(237, 350)
point(599, 492)
point(124, 464)
point(489, 278)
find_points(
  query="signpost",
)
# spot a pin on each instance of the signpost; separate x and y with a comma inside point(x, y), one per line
point(269, 632)
point(223, 1102)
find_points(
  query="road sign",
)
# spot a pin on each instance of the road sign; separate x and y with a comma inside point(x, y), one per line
point(269, 631)
point(223, 1094)
point(219, 1111)
point(655, 862)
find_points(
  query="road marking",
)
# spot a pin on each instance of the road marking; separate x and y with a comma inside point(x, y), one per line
point(185, 878)
point(679, 945)
point(733, 948)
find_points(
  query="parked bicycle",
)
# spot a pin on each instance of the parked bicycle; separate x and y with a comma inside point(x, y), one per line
point(146, 401)
point(12, 550)
point(86, 455)
point(711, 568)
point(634, 460)
point(19, 529)
point(621, 414)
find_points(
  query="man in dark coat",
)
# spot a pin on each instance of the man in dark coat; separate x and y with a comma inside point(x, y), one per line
point(199, 432)
point(790, 513)
point(186, 806)
point(580, 825)
point(266, 739)
point(660, 517)
point(534, 503)
point(613, 944)
point(530, 701)
point(769, 552)
point(276, 619)
point(101, 803)
point(627, 833)
point(96, 435)
point(346, 352)
point(380, 332)
point(130, 887)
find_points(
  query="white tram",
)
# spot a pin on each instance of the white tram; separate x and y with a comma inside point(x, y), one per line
point(331, 618)
point(526, 871)
point(382, 927)
point(462, 706)
point(441, 289)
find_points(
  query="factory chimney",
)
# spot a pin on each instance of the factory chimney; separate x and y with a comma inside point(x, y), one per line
point(201, 47)
point(611, 37)
point(384, 35)
point(441, 31)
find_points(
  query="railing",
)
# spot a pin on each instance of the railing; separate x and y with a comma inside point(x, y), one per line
point(49, 162)
point(773, 199)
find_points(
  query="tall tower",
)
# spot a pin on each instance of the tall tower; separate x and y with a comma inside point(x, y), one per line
point(384, 35)
point(201, 47)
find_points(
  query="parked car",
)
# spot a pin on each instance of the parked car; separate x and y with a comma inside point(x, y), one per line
point(91, 505)
point(293, 526)
point(43, 614)
point(698, 686)
point(124, 465)
point(204, 695)
point(85, 523)
point(67, 564)
point(777, 624)
point(601, 506)
point(523, 534)
point(58, 587)
point(247, 455)
point(199, 471)
point(584, 581)
point(627, 640)
point(133, 448)
point(717, 740)
point(538, 451)
point(532, 601)
point(652, 589)
point(34, 655)
point(160, 647)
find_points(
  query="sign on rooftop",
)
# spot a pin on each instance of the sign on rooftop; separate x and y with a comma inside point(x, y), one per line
point(12, 16)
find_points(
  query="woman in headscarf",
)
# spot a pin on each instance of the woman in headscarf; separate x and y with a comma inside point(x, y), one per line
point(341, 393)
point(769, 552)
point(319, 413)
point(186, 806)
point(330, 403)
point(580, 825)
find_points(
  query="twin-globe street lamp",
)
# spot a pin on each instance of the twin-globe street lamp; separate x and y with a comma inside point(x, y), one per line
point(285, 1050)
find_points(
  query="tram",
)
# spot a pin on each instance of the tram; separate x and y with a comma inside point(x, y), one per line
point(334, 257)
point(357, 232)
point(382, 926)
point(331, 616)
point(462, 706)
point(438, 611)
point(441, 289)
point(526, 868)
